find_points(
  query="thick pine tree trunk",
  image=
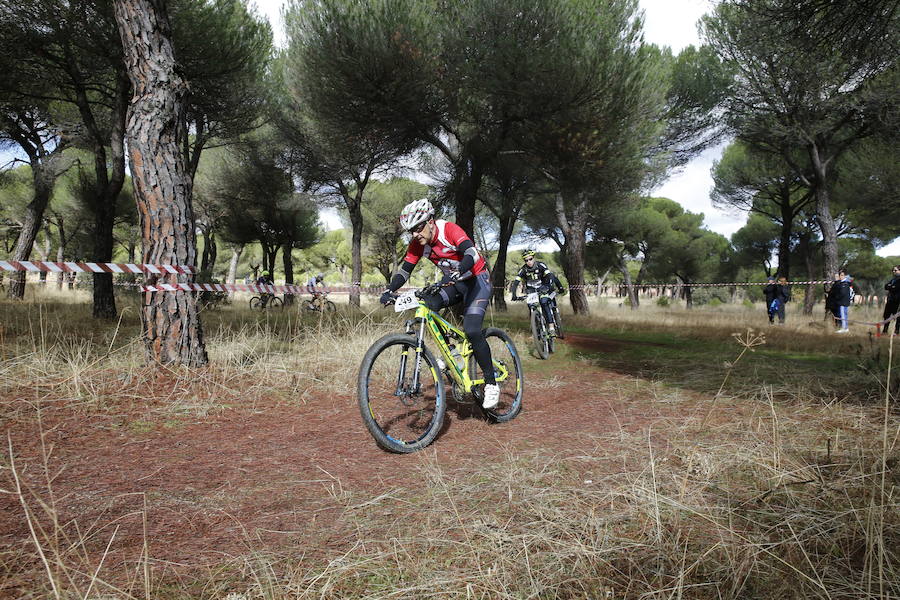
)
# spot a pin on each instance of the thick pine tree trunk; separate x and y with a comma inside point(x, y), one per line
point(573, 223)
point(356, 222)
point(468, 182)
point(287, 259)
point(109, 169)
point(823, 213)
point(44, 253)
point(104, 293)
point(498, 275)
point(629, 287)
point(236, 252)
point(171, 323)
point(60, 252)
point(31, 224)
point(809, 296)
point(784, 242)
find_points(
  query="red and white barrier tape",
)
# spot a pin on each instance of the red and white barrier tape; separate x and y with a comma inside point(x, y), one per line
point(251, 287)
point(742, 283)
point(38, 266)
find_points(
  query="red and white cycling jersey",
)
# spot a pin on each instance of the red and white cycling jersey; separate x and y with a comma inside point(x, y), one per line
point(444, 251)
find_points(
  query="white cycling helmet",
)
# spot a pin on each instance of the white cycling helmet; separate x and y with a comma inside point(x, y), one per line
point(416, 212)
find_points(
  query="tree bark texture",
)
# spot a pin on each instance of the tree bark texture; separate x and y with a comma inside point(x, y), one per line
point(236, 252)
point(498, 275)
point(784, 242)
point(809, 297)
point(629, 287)
point(109, 169)
point(823, 213)
point(356, 222)
point(468, 181)
point(31, 224)
point(171, 322)
point(287, 260)
point(61, 253)
point(573, 223)
point(43, 174)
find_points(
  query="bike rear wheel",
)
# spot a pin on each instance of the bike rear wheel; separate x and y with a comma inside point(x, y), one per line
point(275, 303)
point(539, 333)
point(403, 416)
point(503, 353)
point(559, 324)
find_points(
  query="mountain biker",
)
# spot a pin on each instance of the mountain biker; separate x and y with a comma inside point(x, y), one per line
point(265, 279)
point(447, 246)
point(535, 276)
point(317, 280)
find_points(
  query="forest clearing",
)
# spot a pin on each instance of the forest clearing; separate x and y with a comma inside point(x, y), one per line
point(666, 465)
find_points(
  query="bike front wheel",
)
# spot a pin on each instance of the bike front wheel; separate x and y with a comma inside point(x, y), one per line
point(401, 394)
point(539, 333)
point(330, 306)
point(505, 359)
point(255, 303)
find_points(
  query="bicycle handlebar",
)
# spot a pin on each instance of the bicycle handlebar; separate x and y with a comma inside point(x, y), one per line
point(431, 288)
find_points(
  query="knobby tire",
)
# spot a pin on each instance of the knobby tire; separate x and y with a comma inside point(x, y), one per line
point(511, 391)
point(418, 417)
point(538, 330)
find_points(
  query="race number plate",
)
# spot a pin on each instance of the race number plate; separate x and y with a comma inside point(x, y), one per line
point(532, 298)
point(405, 301)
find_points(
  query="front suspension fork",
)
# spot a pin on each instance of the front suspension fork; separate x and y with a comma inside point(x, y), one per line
point(401, 377)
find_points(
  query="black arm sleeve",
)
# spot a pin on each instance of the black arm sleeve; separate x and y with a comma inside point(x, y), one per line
point(468, 261)
point(401, 276)
point(555, 281)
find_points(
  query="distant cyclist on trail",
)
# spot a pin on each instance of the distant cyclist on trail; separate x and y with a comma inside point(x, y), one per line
point(318, 280)
point(265, 279)
point(535, 276)
point(447, 246)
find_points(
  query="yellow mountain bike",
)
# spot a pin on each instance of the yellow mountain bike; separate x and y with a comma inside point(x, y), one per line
point(401, 390)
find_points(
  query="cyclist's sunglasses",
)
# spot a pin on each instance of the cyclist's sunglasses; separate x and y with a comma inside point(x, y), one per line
point(418, 228)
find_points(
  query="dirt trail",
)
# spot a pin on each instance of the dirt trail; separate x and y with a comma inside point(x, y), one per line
point(283, 473)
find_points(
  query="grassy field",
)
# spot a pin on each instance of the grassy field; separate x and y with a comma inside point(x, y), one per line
point(743, 461)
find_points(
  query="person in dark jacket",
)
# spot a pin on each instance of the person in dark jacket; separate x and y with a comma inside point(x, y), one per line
point(893, 301)
point(777, 295)
point(839, 299)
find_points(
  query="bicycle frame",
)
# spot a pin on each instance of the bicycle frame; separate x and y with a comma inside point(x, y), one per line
point(536, 304)
point(440, 328)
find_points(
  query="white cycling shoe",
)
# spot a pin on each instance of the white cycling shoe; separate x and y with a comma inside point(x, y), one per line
point(491, 395)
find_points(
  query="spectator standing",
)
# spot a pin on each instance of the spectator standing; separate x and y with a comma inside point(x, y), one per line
point(893, 301)
point(777, 295)
point(841, 297)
